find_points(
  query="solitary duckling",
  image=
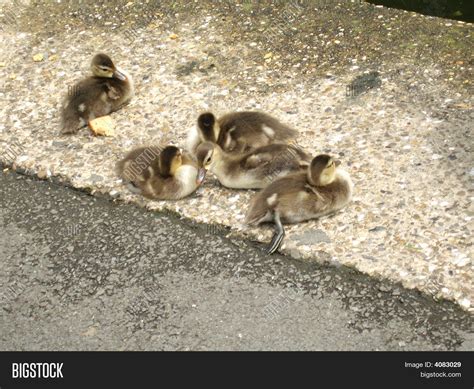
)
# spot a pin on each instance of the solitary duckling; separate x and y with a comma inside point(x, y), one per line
point(161, 173)
point(239, 131)
point(254, 169)
point(323, 189)
point(106, 91)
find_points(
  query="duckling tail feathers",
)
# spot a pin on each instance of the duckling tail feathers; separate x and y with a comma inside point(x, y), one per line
point(261, 209)
point(256, 216)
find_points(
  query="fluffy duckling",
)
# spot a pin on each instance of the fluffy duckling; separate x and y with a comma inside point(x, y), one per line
point(161, 173)
point(106, 91)
point(239, 131)
point(322, 190)
point(254, 169)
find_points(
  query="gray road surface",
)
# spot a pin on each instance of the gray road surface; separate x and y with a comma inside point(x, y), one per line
point(84, 273)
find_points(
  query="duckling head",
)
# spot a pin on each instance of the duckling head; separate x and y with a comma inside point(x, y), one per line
point(208, 127)
point(208, 155)
point(102, 66)
point(171, 159)
point(322, 170)
point(205, 154)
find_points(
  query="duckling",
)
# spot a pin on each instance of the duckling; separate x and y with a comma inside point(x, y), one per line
point(323, 189)
point(239, 131)
point(161, 173)
point(254, 169)
point(106, 91)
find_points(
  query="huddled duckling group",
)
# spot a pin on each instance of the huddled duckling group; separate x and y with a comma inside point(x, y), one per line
point(244, 150)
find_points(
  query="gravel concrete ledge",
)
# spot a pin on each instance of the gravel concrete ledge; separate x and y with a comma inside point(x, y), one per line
point(407, 142)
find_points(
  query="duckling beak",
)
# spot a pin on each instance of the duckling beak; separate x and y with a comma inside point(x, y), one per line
point(337, 163)
point(201, 175)
point(118, 74)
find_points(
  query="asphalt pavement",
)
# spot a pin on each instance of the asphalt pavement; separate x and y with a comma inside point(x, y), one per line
point(79, 272)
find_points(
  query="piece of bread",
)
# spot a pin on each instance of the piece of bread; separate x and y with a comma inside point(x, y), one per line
point(103, 125)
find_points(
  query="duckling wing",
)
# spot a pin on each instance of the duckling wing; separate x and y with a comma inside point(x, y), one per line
point(275, 129)
point(304, 159)
point(246, 123)
point(259, 210)
point(84, 96)
point(280, 194)
point(238, 142)
point(85, 91)
point(103, 96)
point(112, 93)
point(276, 159)
point(248, 130)
point(313, 190)
point(139, 164)
point(78, 104)
point(257, 160)
point(313, 202)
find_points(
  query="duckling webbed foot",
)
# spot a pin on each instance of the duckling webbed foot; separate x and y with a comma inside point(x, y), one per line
point(277, 238)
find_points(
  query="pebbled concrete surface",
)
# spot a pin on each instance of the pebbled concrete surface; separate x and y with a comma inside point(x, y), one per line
point(84, 273)
point(407, 142)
